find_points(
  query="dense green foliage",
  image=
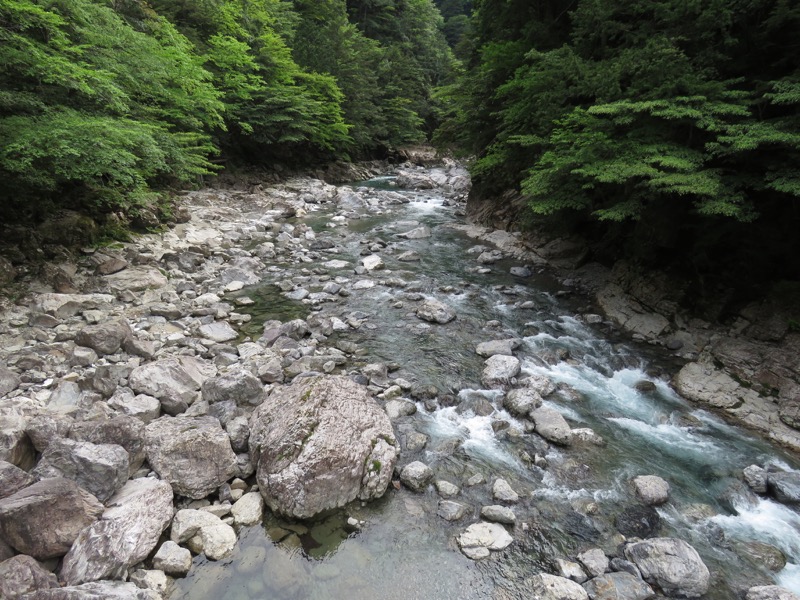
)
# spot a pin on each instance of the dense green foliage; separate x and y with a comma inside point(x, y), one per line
point(103, 102)
point(621, 110)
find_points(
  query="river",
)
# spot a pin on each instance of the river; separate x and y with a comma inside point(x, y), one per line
point(571, 497)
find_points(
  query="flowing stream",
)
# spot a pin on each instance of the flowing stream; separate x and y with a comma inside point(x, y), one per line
point(570, 496)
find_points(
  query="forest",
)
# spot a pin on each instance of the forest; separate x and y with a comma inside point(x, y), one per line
point(668, 129)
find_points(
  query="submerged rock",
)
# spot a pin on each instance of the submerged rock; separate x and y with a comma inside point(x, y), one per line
point(652, 490)
point(477, 541)
point(320, 443)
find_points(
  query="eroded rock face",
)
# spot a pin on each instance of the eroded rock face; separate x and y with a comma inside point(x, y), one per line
point(124, 535)
point(193, 454)
point(319, 444)
point(44, 519)
point(672, 565)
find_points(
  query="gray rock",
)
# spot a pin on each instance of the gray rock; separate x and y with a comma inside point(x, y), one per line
point(770, 592)
point(409, 256)
point(172, 559)
point(44, 519)
point(15, 445)
point(499, 514)
point(125, 431)
point(480, 538)
point(125, 534)
point(550, 587)
point(193, 454)
point(188, 522)
point(399, 408)
point(451, 511)
point(63, 306)
point(13, 479)
point(248, 510)
point(756, 479)
point(22, 574)
point(433, 311)
point(651, 490)
point(785, 487)
point(541, 384)
point(215, 539)
point(219, 331)
point(629, 314)
point(571, 570)
point(174, 378)
point(143, 407)
point(672, 565)
point(446, 489)
point(153, 580)
point(763, 554)
point(373, 262)
point(594, 562)
point(520, 402)
point(552, 426)
point(638, 521)
point(320, 443)
point(499, 370)
point(101, 469)
point(418, 233)
point(238, 430)
point(618, 586)
point(9, 381)
point(495, 347)
point(100, 590)
point(416, 476)
point(503, 492)
point(416, 441)
point(66, 398)
point(586, 436)
point(238, 385)
point(105, 338)
point(44, 428)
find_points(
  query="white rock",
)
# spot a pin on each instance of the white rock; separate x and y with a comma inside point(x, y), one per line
point(172, 559)
point(249, 509)
point(503, 492)
point(480, 538)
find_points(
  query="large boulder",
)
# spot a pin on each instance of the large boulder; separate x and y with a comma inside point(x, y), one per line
point(672, 565)
point(125, 535)
point(552, 426)
point(174, 379)
point(22, 574)
point(204, 533)
point(785, 487)
point(618, 586)
point(124, 430)
point(13, 479)
point(499, 369)
point(521, 402)
point(100, 590)
point(104, 338)
point(651, 489)
point(551, 587)
point(101, 469)
point(193, 454)
point(320, 443)
point(44, 519)
point(237, 385)
point(433, 311)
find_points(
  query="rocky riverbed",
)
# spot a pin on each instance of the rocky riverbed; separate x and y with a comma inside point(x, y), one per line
point(410, 403)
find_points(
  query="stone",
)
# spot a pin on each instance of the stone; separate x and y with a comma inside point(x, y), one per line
point(594, 562)
point(319, 444)
point(418, 233)
point(399, 408)
point(638, 521)
point(672, 565)
point(651, 490)
point(15, 445)
point(99, 590)
point(480, 538)
point(551, 425)
point(451, 511)
point(499, 514)
point(629, 314)
point(495, 347)
point(237, 385)
point(105, 338)
point(111, 266)
point(9, 381)
point(520, 402)
point(409, 256)
point(83, 357)
point(248, 510)
point(13, 479)
point(373, 262)
point(22, 574)
point(219, 331)
point(762, 554)
point(541, 384)
point(143, 407)
point(770, 592)
point(551, 587)
point(125, 431)
point(499, 370)
point(434, 311)
point(571, 570)
point(44, 519)
point(137, 279)
point(446, 489)
point(503, 492)
point(706, 384)
point(618, 586)
point(172, 559)
point(756, 478)
point(193, 454)
point(586, 436)
point(101, 469)
point(187, 523)
point(7, 271)
point(205, 534)
point(63, 306)
point(416, 476)
point(785, 487)
point(171, 378)
point(238, 430)
point(152, 579)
